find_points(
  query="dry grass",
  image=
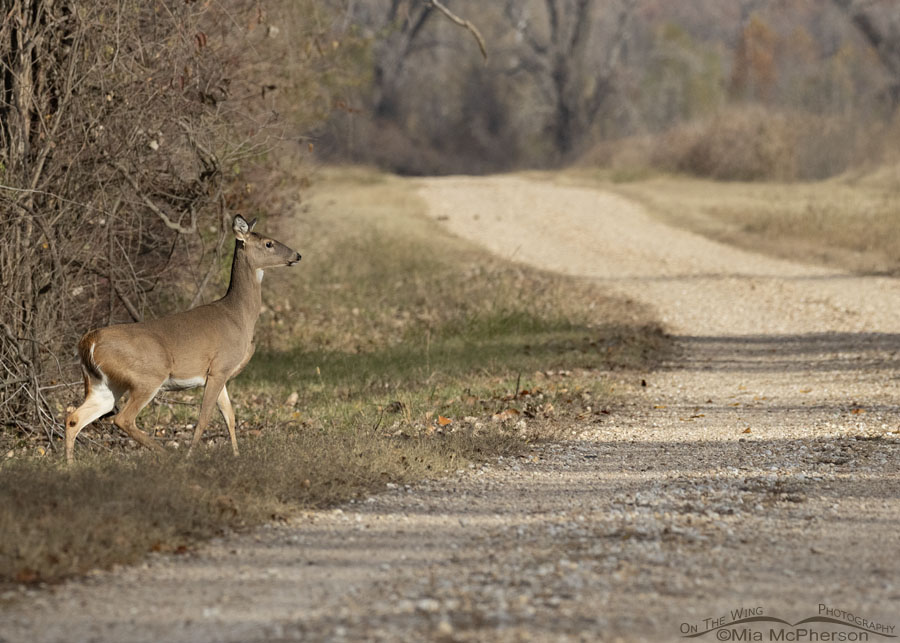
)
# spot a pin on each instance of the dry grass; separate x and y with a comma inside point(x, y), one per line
point(851, 222)
point(57, 521)
point(392, 352)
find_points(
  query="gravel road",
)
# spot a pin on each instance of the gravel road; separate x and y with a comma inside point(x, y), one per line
point(756, 470)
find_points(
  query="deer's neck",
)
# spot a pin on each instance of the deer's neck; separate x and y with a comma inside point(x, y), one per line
point(244, 294)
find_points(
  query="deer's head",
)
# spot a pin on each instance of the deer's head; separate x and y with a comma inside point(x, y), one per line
point(262, 252)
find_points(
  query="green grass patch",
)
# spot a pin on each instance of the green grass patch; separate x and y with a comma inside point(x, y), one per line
point(391, 353)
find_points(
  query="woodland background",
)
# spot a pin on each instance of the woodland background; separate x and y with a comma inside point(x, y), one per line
point(131, 130)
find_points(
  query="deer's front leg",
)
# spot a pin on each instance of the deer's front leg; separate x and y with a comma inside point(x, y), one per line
point(214, 386)
point(228, 414)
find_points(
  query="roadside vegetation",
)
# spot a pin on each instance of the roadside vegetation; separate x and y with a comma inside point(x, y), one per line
point(850, 222)
point(393, 352)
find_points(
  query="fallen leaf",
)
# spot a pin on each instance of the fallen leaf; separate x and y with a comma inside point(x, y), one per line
point(505, 415)
point(292, 399)
point(857, 411)
point(444, 421)
point(27, 575)
point(747, 430)
point(806, 390)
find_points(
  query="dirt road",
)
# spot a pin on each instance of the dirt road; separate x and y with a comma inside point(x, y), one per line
point(758, 469)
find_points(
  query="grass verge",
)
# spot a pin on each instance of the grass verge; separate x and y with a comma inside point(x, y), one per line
point(850, 222)
point(391, 353)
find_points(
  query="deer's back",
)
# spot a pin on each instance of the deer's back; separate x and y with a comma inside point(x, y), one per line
point(180, 347)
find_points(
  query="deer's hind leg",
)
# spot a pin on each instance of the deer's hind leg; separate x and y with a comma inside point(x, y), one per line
point(98, 401)
point(138, 398)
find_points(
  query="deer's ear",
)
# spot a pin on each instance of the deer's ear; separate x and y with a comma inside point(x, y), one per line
point(241, 227)
point(252, 223)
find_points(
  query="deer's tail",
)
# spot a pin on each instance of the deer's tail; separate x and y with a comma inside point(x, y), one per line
point(86, 354)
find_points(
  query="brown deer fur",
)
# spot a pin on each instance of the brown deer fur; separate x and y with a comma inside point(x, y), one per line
point(204, 346)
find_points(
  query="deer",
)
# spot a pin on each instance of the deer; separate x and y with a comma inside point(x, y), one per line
point(204, 346)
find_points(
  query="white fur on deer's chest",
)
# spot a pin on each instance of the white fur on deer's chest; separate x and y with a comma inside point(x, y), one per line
point(175, 384)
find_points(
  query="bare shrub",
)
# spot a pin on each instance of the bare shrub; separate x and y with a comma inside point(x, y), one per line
point(751, 143)
point(123, 126)
point(738, 144)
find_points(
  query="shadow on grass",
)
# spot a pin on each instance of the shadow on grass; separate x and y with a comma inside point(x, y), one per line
point(495, 347)
point(58, 521)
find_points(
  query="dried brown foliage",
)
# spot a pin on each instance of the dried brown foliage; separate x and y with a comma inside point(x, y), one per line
point(123, 128)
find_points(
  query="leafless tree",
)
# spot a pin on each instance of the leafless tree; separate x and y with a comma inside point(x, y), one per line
point(879, 23)
point(401, 24)
point(572, 58)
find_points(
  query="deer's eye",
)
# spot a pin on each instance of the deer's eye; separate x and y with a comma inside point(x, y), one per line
point(269, 244)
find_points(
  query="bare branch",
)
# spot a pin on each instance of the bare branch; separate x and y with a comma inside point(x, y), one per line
point(135, 315)
point(173, 225)
point(462, 22)
point(874, 31)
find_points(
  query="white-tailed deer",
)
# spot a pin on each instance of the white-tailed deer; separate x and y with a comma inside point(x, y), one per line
point(207, 345)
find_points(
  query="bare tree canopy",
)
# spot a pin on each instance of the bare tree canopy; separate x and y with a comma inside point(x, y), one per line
point(574, 66)
point(879, 23)
point(568, 77)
